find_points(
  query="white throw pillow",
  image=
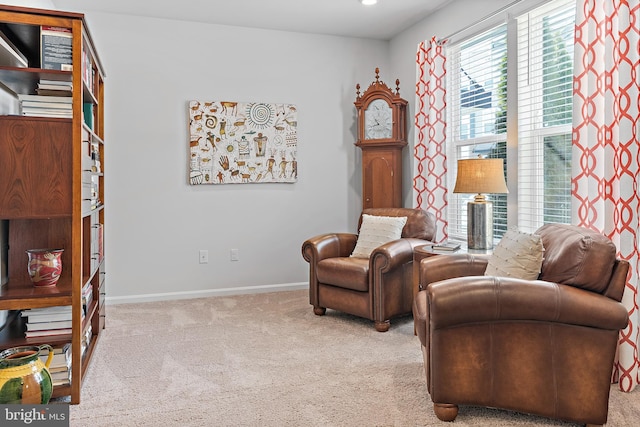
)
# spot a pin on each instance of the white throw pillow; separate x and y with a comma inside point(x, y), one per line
point(376, 231)
point(518, 255)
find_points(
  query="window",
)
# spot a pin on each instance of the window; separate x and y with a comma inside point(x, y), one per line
point(532, 55)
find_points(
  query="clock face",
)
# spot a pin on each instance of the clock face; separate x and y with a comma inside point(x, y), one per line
point(378, 121)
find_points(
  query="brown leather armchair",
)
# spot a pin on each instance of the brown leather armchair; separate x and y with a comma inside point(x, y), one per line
point(544, 347)
point(378, 288)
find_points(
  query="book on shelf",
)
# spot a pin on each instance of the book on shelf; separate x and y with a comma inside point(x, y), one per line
point(56, 368)
point(56, 48)
point(10, 55)
point(60, 378)
point(52, 309)
point(87, 70)
point(87, 109)
point(61, 358)
point(48, 333)
point(45, 84)
point(87, 338)
point(42, 112)
point(56, 82)
point(53, 324)
point(87, 296)
point(52, 317)
point(445, 246)
point(48, 314)
point(94, 185)
point(67, 100)
point(60, 366)
point(54, 92)
point(42, 104)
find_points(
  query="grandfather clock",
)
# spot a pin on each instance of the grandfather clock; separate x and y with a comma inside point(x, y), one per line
point(381, 136)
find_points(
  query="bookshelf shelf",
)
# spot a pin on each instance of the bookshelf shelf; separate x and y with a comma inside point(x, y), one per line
point(25, 80)
point(52, 180)
point(14, 296)
point(13, 334)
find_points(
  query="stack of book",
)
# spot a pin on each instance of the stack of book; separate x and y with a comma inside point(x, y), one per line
point(46, 106)
point(54, 88)
point(60, 367)
point(49, 321)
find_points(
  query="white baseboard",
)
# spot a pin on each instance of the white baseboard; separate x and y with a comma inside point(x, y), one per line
point(206, 293)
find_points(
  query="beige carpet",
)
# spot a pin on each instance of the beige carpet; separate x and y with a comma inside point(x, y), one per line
point(267, 360)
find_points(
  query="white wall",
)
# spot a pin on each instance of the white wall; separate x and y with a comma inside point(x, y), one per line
point(156, 221)
point(40, 4)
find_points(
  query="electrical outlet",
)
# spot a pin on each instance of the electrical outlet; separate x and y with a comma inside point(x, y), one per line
point(204, 256)
point(235, 255)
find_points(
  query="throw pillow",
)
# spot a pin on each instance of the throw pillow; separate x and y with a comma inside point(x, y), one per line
point(376, 231)
point(518, 255)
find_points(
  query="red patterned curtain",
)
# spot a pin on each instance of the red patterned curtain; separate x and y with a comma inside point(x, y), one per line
point(606, 146)
point(430, 158)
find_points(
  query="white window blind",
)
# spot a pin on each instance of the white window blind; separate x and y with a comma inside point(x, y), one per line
point(477, 96)
point(539, 175)
point(545, 82)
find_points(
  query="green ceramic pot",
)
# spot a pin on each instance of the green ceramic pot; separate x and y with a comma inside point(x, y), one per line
point(24, 379)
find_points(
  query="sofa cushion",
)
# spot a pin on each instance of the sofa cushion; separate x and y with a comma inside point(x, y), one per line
point(376, 231)
point(420, 223)
point(344, 272)
point(518, 255)
point(577, 256)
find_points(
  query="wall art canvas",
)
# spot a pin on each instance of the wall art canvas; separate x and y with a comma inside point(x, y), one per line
point(235, 142)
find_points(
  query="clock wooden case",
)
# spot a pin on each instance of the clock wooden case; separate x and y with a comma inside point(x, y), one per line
point(381, 117)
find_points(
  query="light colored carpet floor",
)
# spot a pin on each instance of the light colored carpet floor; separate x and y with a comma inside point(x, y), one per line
point(267, 360)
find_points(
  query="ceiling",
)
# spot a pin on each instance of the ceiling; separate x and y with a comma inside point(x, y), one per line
point(332, 17)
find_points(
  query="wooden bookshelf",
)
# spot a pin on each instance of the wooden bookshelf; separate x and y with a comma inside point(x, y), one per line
point(52, 186)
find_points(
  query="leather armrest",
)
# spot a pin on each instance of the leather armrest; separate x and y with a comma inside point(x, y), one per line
point(393, 254)
point(420, 315)
point(475, 299)
point(330, 245)
point(441, 267)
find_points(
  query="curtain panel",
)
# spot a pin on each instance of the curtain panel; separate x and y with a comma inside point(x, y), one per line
point(430, 158)
point(606, 146)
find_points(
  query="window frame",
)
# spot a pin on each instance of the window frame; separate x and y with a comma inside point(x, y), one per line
point(519, 200)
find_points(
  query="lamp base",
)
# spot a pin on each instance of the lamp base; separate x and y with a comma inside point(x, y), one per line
point(480, 225)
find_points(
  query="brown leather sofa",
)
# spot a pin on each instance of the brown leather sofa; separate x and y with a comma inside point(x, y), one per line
point(544, 347)
point(378, 288)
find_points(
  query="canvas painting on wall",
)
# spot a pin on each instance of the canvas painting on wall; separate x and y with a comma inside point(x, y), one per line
point(235, 142)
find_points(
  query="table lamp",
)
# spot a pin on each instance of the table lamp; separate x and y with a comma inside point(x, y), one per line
point(478, 176)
